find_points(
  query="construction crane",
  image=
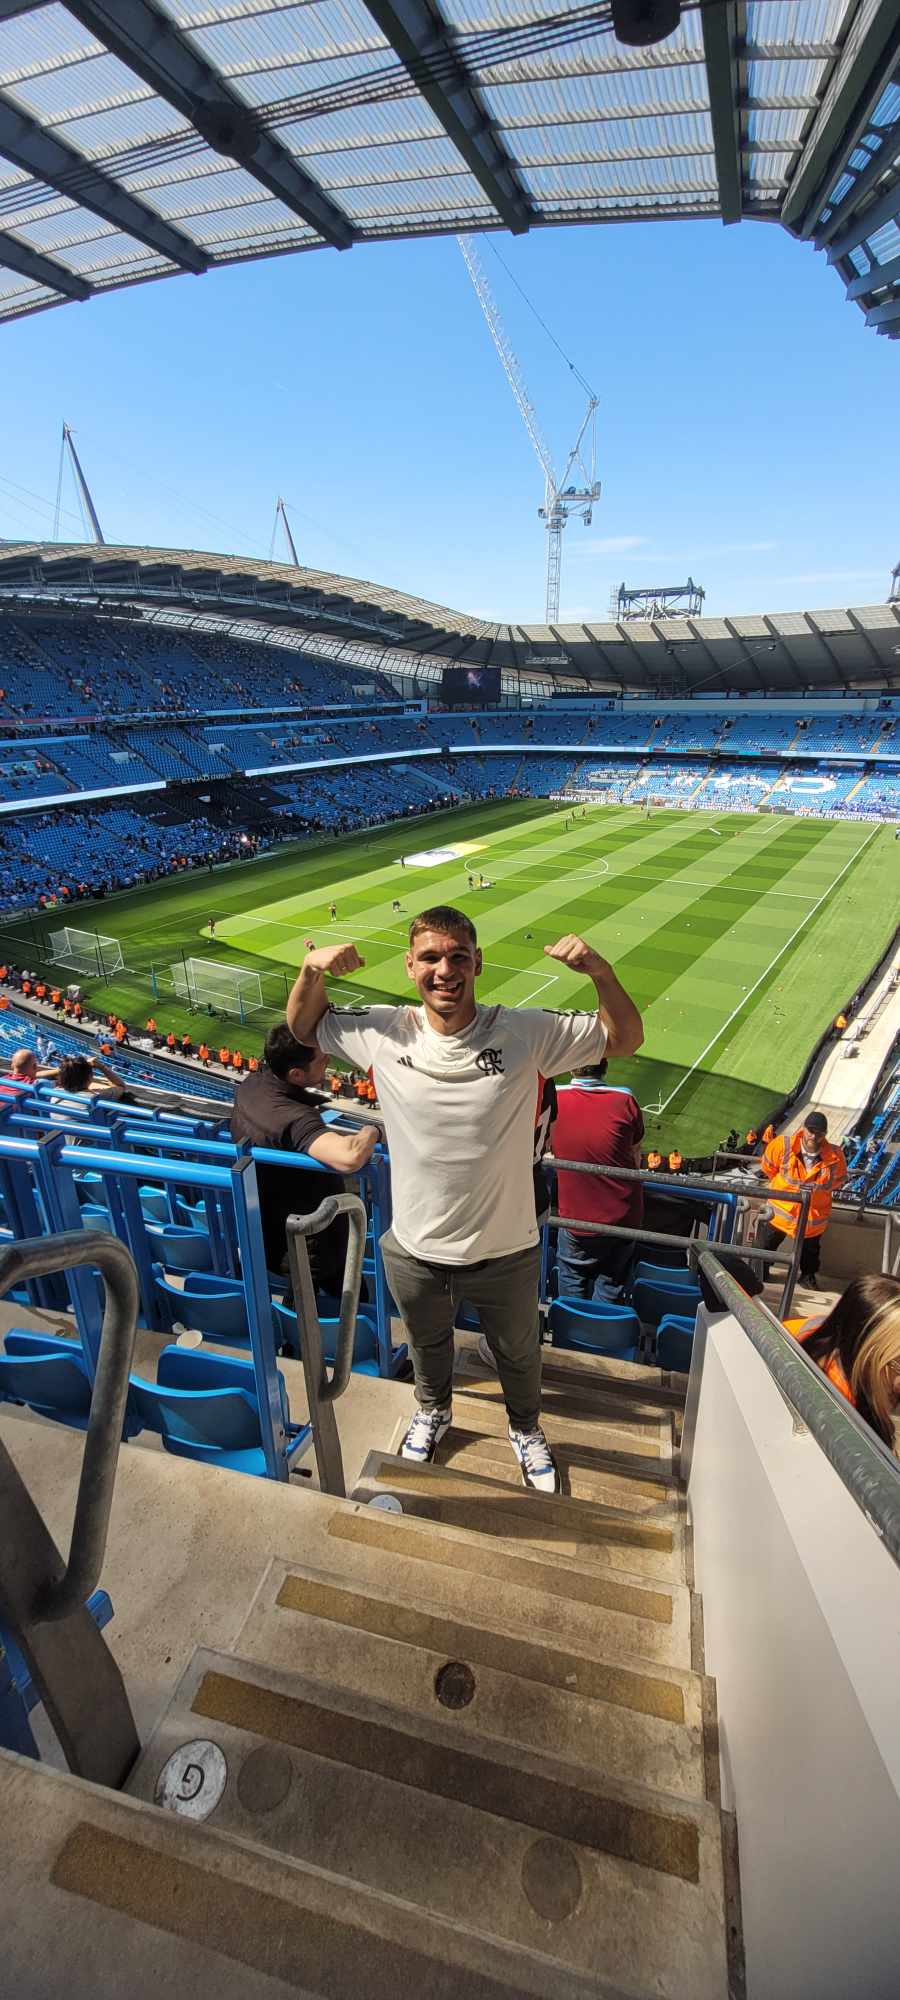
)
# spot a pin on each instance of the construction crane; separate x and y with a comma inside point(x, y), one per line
point(281, 515)
point(88, 510)
point(561, 497)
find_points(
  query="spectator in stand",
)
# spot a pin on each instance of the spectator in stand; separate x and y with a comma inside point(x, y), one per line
point(858, 1347)
point(458, 1084)
point(81, 1078)
point(280, 1109)
point(600, 1126)
point(25, 1068)
point(793, 1161)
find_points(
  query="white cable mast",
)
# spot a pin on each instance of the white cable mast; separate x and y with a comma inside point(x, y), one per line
point(561, 496)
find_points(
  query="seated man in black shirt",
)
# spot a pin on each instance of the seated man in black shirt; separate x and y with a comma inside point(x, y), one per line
point(275, 1108)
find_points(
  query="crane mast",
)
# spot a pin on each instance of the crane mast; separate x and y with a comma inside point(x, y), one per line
point(561, 496)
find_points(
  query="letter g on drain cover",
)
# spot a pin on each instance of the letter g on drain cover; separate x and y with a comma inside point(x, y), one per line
point(192, 1780)
point(454, 1684)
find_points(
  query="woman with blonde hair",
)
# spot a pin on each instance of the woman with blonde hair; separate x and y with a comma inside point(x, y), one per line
point(858, 1348)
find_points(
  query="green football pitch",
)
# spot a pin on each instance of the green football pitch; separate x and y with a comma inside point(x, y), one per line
point(739, 936)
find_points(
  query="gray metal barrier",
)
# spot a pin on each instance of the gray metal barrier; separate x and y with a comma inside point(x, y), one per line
point(709, 1189)
point(42, 1597)
point(322, 1390)
point(865, 1466)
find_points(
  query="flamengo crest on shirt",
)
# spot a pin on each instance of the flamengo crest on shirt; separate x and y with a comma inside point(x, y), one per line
point(490, 1062)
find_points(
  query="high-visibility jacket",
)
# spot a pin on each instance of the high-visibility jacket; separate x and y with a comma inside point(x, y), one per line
point(675, 1163)
point(784, 1166)
point(831, 1366)
point(654, 1160)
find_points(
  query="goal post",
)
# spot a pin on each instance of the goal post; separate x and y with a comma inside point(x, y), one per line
point(91, 953)
point(226, 989)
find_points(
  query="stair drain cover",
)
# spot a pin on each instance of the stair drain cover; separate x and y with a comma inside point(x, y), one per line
point(551, 1879)
point(193, 1779)
point(454, 1684)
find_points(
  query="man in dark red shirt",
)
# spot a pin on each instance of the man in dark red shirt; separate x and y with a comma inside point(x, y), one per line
point(602, 1127)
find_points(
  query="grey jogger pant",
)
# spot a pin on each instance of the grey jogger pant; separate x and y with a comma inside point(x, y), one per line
point(504, 1292)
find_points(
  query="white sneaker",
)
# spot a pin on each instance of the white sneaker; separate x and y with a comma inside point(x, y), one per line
point(484, 1353)
point(539, 1467)
point(424, 1435)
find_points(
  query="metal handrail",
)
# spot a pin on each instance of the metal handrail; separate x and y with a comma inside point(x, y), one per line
point(36, 1257)
point(322, 1391)
point(864, 1465)
point(686, 1188)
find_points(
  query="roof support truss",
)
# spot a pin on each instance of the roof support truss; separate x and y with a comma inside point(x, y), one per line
point(39, 153)
point(723, 31)
point(150, 44)
point(419, 36)
point(860, 226)
point(875, 280)
point(868, 178)
point(18, 256)
point(857, 80)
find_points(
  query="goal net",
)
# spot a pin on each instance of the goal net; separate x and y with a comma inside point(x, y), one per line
point(87, 952)
point(228, 989)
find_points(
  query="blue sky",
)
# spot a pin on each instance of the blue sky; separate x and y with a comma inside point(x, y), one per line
point(747, 419)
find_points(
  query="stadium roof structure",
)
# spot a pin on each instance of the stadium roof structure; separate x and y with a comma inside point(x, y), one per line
point(142, 138)
point(789, 652)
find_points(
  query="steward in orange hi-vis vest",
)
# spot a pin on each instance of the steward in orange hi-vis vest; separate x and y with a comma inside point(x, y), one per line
point(788, 1163)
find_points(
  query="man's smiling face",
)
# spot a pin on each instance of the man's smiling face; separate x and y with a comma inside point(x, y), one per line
point(444, 966)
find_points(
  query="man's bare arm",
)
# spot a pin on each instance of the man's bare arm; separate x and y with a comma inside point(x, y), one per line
point(309, 998)
point(347, 1152)
point(618, 1013)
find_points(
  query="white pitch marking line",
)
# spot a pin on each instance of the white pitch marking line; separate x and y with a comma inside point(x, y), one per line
point(662, 1106)
point(531, 997)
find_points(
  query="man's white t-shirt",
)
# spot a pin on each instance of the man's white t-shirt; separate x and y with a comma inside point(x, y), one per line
point(459, 1115)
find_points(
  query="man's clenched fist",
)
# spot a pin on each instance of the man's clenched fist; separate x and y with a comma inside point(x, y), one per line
point(335, 960)
point(578, 956)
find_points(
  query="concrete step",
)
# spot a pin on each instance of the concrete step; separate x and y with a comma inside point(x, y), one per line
point(580, 1696)
point(586, 1472)
point(537, 1853)
point(446, 1569)
point(609, 1426)
point(103, 1895)
point(584, 1530)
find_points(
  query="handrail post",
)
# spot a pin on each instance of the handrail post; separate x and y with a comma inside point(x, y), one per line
point(42, 1597)
point(322, 1393)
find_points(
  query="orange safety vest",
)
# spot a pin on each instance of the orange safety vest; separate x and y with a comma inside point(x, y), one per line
point(252, 1062)
point(203, 1052)
point(831, 1366)
point(654, 1160)
point(784, 1166)
point(675, 1163)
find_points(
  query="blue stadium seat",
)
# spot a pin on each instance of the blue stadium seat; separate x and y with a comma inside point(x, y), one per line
point(674, 1343)
point(664, 1274)
point(595, 1326)
point(47, 1374)
point(180, 1247)
point(204, 1406)
point(217, 1306)
point(653, 1300)
point(365, 1340)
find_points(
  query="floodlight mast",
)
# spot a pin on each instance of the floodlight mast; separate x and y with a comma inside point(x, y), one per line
point(281, 515)
point(561, 497)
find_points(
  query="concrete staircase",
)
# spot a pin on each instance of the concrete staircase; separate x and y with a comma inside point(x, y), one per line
point(463, 1744)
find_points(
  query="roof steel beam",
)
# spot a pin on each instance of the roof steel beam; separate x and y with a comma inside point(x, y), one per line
point(854, 87)
point(860, 226)
point(723, 29)
point(150, 44)
point(875, 280)
point(18, 256)
point(49, 159)
point(863, 184)
point(419, 36)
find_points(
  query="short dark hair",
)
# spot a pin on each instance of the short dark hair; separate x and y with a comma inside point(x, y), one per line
point(444, 918)
point(75, 1073)
point(816, 1122)
point(283, 1052)
point(597, 1070)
